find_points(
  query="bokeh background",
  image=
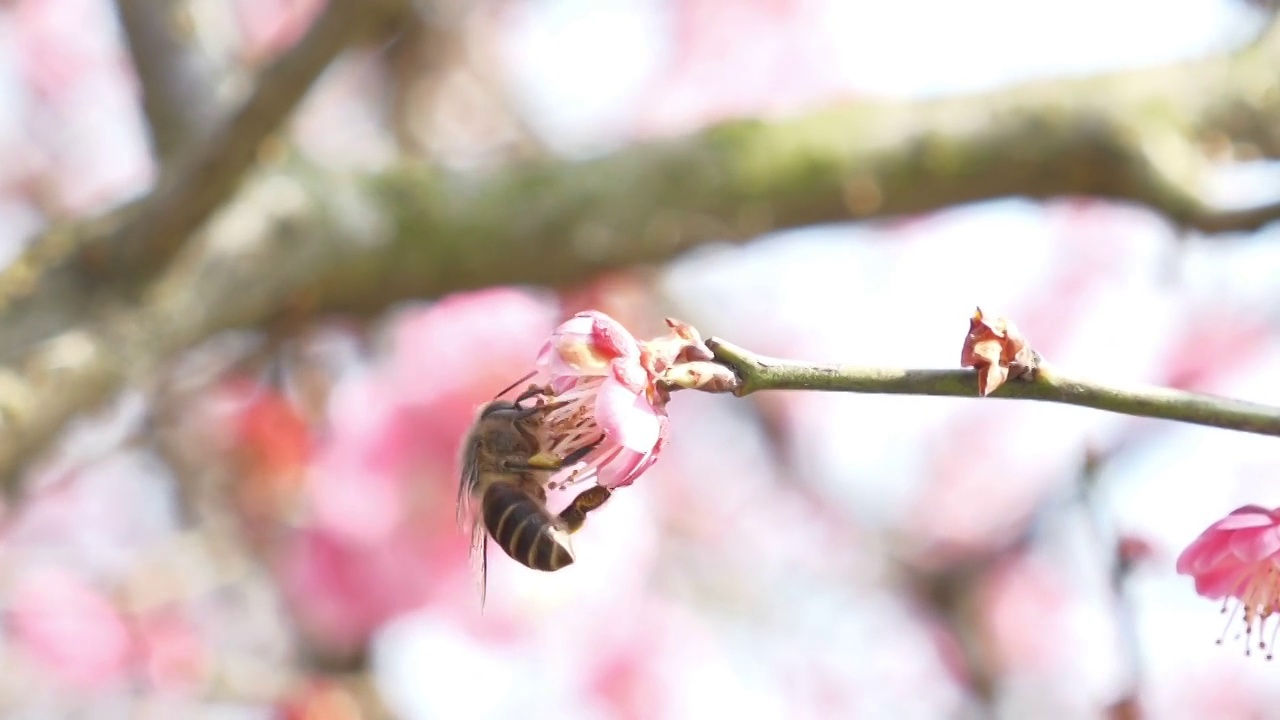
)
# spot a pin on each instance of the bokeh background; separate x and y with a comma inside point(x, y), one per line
point(264, 527)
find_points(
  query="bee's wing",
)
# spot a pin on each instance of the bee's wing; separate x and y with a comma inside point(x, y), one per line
point(480, 558)
point(467, 482)
point(466, 513)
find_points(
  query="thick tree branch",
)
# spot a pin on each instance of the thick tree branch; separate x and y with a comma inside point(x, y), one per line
point(56, 278)
point(765, 373)
point(1128, 135)
point(177, 80)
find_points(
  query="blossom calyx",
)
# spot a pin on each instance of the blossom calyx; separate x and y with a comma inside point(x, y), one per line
point(997, 350)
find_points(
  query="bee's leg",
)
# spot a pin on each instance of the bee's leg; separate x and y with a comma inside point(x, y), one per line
point(573, 516)
point(523, 413)
point(577, 476)
point(543, 462)
point(530, 392)
point(582, 452)
point(548, 462)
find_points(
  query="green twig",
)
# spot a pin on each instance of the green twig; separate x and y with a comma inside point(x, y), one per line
point(758, 372)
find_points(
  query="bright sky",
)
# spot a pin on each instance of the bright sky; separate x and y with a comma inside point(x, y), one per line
point(581, 62)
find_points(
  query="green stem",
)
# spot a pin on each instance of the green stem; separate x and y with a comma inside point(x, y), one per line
point(759, 372)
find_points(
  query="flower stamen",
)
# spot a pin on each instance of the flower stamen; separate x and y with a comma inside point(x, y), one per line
point(1256, 599)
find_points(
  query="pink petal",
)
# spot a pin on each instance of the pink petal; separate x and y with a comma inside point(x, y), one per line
point(581, 324)
point(576, 351)
point(610, 335)
point(1205, 553)
point(1227, 580)
point(1256, 544)
point(575, 359)
point(562, 384)
point(623, 469)
point(630, 465)
point(631, 374)
point(70, 628)
point(545, 353)
point(627, 417)
point(578, 358)
point(1245, 517)
point(175, 653)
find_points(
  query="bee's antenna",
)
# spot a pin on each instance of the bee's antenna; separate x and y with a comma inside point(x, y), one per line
point(513, 385)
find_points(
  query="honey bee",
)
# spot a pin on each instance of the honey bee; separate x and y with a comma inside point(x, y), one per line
point(503, 469)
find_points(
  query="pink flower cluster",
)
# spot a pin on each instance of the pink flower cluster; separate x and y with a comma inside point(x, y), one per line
point(85, 642)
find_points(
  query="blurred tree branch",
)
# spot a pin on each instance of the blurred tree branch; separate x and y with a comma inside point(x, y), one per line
point(758, 372)
point(1117, 555)
point(446, 70)
point(51, 286)
point(177, 81)
point(323, 243)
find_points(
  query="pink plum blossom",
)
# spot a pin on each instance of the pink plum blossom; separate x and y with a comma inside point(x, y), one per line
point(343, 590)
point(275, 445)
point(610, 390)
point(268, 27)
point(172, 652)
point(466, 343)
point(318, 699)
point(71, 629)
point(1238, 557)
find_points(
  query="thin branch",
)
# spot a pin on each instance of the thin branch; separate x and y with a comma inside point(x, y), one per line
point(765, 373)
point(130, 244)
point(177, 80)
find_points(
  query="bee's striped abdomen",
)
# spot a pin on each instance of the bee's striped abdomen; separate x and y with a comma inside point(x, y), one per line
point(521, 526)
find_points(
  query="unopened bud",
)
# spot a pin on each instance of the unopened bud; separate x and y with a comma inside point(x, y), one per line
point(702, 375)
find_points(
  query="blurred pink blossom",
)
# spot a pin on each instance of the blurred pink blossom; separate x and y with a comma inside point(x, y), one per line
point(173, 653)
point(378, 537)
point(57, 47)
point(1214, 690)
point(624, 295)
point(343, 590)
point(1017, 599)
point(70, 628)
point(466, 340)
point(1211, 346)
point(1133, 551)
point(1239, 557)
point(360, 480)
point(318, 699)
point(271, 26)
point(390, 449)
point(71, 133)
point(274, 446)
point(734, 58)
point(274, 434)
